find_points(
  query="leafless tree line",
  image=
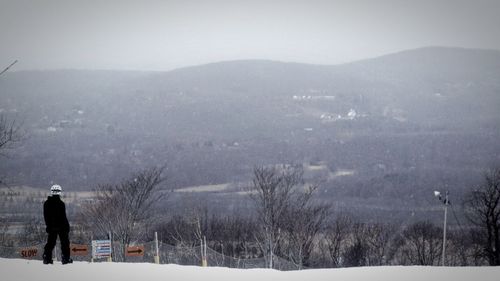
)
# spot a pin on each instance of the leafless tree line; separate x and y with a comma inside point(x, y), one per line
point(288, 223)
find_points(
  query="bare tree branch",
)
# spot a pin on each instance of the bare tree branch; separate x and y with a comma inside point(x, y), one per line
point(10, 132)
point(7, 68)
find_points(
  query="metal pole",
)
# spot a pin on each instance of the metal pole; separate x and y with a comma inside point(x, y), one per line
point(443, 255)
point(110, 258)
point(157, 257)
point(92, 244)
point(201, 250)
point(222, 252)
point(205, 251)
point(271, 254)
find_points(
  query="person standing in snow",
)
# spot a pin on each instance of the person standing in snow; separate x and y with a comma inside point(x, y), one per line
point(54, 213)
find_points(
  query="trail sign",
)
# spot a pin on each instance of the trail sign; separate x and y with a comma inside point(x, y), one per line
point(101, 249)
point(134, 251)
point(79, 250)
point(28, 253)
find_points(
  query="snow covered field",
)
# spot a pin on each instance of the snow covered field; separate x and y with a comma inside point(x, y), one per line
point(24, 270)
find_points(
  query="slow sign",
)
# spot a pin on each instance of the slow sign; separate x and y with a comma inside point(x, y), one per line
point(28, 253)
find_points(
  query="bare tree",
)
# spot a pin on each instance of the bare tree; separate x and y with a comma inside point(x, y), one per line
point(233, 235)
point(482, 207)
point(126, 209)
point(272, 193)
point(420, 244)
point(10, 132)
point(356, 253)
point(475, 247)
point(5, 239)
point(379, 238)
point(289, 218)
point(336, 237)
point(303, 221)
point(463, 249)
point(180, 231)
point(33, 232)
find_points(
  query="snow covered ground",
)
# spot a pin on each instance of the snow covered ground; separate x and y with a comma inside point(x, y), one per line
point(24, 270)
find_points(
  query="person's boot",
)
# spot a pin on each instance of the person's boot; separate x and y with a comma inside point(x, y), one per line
point(65, 260)
point(47, 259)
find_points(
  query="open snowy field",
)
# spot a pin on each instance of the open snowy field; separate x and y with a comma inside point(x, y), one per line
point(24, 270)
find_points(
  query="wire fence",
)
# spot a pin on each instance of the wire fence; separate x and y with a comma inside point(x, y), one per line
point(168, 254)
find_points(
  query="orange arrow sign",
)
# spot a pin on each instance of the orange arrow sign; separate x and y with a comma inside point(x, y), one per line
point(135, 251)
point(79, 250)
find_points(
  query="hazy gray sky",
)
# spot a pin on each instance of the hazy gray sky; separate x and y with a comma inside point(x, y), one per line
point(162, 35)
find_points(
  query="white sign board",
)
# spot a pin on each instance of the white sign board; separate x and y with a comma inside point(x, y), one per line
point(101, 249)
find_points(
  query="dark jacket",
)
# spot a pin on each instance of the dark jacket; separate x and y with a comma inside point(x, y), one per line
point(54, 213)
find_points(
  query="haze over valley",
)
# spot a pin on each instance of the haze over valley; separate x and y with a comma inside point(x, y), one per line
point(389, 129)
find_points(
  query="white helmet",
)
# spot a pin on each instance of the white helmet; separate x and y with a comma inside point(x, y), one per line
point(55, 190)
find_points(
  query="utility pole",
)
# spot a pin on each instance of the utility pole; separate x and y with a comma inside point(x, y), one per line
point(446, 202)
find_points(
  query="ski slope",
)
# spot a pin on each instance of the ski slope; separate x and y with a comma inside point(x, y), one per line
point(25, 270)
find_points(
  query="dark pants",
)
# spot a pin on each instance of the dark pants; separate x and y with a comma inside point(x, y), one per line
point(51, 243)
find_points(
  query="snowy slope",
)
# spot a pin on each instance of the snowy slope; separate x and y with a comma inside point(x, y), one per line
point(23, 270)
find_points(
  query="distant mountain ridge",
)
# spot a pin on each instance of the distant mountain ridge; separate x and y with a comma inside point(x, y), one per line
point(424, 86)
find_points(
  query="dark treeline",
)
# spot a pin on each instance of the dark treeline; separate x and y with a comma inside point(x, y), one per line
point(287, 221)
